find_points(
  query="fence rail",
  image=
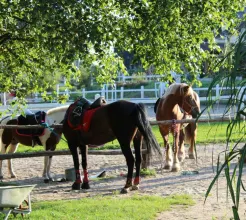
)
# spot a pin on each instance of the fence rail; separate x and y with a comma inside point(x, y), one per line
point(92, 152)
point(59, 153)
point(221, 119)
point(144, 95)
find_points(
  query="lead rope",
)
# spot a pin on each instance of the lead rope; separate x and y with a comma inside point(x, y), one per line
point(45, 125)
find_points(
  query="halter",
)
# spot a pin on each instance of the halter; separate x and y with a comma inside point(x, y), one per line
point(191, 106)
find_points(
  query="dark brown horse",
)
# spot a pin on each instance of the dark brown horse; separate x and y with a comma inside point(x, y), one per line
point(178, 102)
point(120, 120)
point(10, 138)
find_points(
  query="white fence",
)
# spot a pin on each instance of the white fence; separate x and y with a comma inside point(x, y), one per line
point(148, 96)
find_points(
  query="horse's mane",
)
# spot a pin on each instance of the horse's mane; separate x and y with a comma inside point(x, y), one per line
point(174, 88)
point(57, 109)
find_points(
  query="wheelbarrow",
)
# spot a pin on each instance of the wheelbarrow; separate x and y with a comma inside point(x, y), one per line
point(12, 199)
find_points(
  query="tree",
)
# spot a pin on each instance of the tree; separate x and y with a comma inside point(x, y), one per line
point(40, 38)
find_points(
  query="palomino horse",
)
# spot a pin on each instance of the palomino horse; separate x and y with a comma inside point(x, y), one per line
point(178, 102)
point(121, 120)
point(31, 137)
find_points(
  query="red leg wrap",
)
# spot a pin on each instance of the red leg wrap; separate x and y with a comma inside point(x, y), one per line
point(136, 180)
point(86, 179)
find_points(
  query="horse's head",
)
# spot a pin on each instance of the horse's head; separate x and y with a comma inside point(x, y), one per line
point(191, 101)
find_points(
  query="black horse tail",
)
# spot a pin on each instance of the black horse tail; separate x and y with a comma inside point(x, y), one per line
point(146, 130)
point(156, 104)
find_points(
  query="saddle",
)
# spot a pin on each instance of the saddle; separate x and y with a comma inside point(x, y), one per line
point(81, 112)
point(32, 119)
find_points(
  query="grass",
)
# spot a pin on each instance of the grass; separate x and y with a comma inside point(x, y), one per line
point(107, 207)
point(207, 133)
point(147, 172)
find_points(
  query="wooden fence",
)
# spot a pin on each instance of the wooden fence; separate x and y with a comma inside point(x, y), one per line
point(92, 152)
point(145, 156)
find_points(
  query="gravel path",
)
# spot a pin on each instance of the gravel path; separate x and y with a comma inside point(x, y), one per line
point(29, 171)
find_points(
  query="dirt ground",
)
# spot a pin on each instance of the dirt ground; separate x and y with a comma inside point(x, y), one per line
point(165, 183)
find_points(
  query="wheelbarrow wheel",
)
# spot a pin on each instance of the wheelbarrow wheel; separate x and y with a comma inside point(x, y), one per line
point(23, 206)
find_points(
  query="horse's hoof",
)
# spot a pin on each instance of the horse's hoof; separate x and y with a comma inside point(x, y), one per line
point(125, 190)
point(13, 176)
point(175, 169)
point(85, 186)
point(135, 187)
point(181, 157)
point(1, 177)
point(191, 156)
point(76, 186)
point(46, 180)
point(167, 167)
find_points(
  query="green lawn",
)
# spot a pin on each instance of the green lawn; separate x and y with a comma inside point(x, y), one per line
point(107, 207)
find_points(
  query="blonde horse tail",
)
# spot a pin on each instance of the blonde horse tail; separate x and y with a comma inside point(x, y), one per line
point(188, 133)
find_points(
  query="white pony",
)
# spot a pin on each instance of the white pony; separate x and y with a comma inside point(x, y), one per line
point(10, 138)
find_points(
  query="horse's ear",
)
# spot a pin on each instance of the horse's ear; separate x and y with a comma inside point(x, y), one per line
point(186, 89)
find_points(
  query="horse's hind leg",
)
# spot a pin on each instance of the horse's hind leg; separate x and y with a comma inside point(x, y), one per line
point(138, 139)
point(191, 150)
point(47, 165)
point(84, 153)
point(126, 150)
point(12, 149)
point(191, 132)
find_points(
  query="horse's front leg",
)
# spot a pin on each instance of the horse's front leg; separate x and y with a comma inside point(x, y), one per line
point(176, 163)
point(84, 153)
point(126, 150)
point(74, 151)
point(168, 154)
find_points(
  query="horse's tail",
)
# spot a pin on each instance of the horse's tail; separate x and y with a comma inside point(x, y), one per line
point(156, 104)
point(187, 133)
point(145, 129)
point(190, 130)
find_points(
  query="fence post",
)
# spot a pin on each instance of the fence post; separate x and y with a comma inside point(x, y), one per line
point(162, 88)
point(103, 92)
point(123, 78)
point(142, 92)
point(113, 89)
point(4, 99)
point(217, 94)
point(83, 92)
point(121, 92)
point(36, 97)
